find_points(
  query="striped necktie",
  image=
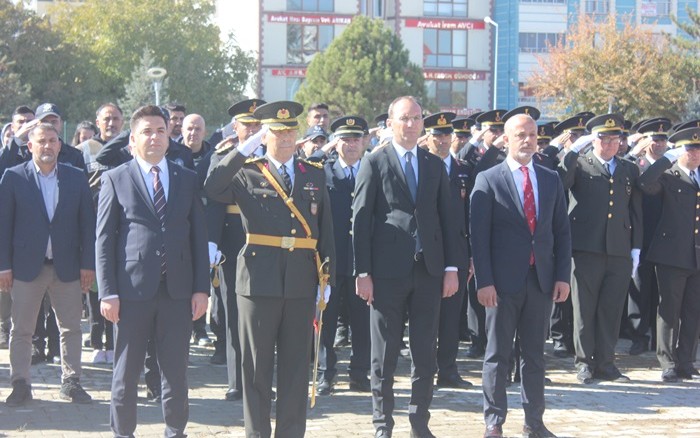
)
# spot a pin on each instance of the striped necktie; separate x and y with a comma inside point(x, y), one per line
point(160, 205)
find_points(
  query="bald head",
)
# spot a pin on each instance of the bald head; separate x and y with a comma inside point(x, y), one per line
point(193, 131)
point(520, 137)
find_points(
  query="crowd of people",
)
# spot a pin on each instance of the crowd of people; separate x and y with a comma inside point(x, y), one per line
point(491, 229)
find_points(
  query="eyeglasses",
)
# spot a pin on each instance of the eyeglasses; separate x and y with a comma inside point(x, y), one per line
point(406, 119)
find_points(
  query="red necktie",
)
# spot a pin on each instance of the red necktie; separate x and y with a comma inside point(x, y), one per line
point(529, 206)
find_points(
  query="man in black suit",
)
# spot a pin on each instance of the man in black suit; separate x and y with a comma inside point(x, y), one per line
point(675, 249)
point(406, 258)
point(47, 223)
point(521, 246)
point(152, 271)
point(606, 231)
point(439, 128)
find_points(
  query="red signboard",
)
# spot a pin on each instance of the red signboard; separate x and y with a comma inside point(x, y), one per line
point(289, 72)
point(466, 75)
point(437, 23)
point(292, 18)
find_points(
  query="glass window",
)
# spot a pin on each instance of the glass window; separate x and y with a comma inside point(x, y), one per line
point(448, 94)
point(445, 8)
point(597, 7)
point(303, 42)
point(445, 48)
point(543, 1)
point(310, 5)
point(531, 42)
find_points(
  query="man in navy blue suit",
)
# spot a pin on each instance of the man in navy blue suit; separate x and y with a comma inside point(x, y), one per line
point(521, 245)
point(47, 235)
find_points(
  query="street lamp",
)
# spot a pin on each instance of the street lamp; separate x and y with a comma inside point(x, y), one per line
point(157, 74)
point(488, 20)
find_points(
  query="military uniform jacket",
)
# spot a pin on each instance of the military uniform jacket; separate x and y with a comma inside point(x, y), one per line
point(676, 239)
point(605, 212)
point(266, 270)
point(651, 208)
point(460, 189)
point(341, 191)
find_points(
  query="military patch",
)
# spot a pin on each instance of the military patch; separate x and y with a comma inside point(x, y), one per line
point(225, 149)
point(312, 163)
point(310, 186)
point(254, 159)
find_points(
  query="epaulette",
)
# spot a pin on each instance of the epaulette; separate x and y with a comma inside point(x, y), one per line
point(254, 159)
point(312, 163)
point(225, 149)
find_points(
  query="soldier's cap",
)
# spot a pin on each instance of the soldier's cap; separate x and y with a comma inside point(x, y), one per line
point(439, 123)
point(243, 110)
point(688, 137)
point(626, 127)
point(380, 120)
point(655, 128)
point(685, 125)
point(606, 124)
point(474, 116)
point(315, 132)
point(635, 126)
point(462, 126)
point(279, 115)
point(545, 131)
point(587, 114)
point(493, 118)
point(46, 109)
point(349, 126)
point(576, 123)
point(529, 110)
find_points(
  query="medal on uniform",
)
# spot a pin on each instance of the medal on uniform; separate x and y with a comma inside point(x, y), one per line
point(628, 189)
point(313, 207)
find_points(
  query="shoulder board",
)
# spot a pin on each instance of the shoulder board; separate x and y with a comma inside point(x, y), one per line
point(317, 165)
point(254, 159)
point(225, 149)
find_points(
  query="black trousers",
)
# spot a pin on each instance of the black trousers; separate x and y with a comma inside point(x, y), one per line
point(99, 326)
point(562, 323)
point(527, 312)
point(642, 302)
point(46, 330)
point(476, 317)
point(448, 331)
point(227, 288)
point(420, 293)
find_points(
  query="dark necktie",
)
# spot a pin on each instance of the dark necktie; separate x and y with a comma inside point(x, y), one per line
point(160, 205)
point(286, 178)
point(352, 175)
point(607, 169)
point(411, 176)
point(694, 178)
point(529, 206)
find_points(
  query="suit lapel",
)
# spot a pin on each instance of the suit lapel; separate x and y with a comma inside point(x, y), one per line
point(395, 166)
point(510, 184)
point(173, 188)
point(140, 184)
point(339, 173)
point(422, 159)
point(63, 189)
point(34, 187)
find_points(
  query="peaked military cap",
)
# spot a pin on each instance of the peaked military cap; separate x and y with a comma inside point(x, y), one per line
point(606, 124)
point(462, 125)
point(243, 110)
point(279, 115)
point(491, 118)
point(545, 131)
point(685, 125)
point(380, 120)
point(575, 123)
point(349, 126)
point(658, 127)
point(439, 123)
point(626, 128)
point(688, 137)
point(529, 110)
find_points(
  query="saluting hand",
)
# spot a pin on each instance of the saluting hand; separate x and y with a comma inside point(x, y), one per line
point(487, 296)
point(200, 302)
point(561, 291)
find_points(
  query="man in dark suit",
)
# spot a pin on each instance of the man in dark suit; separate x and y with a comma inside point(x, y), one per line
point(47, 223)
point(406, 258)
point(286, 214)
point(675, 249)
point(606, 230)
point(521, 245)
point(152, 270)
point(439, 128)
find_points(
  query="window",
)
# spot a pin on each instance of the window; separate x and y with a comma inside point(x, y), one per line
point(445, 8)
point(531, 42)
point(310, 5)
point(445, 48)
point(450, 94)
point(303, 42)
point(543, 1)
point(597, 7)
point(655, 8)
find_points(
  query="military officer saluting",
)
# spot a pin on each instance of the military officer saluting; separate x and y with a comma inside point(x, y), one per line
point(286, 215)
point(675, 249)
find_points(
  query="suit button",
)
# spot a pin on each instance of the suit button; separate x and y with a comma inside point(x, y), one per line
point(612, 192)
point(157, 253)
point(612, 180)
point(293, 231)
point(696, 231)
point(253, 253)
point(292, 215)
point(264, 195)
point(162, 229)
point(350, 232)
point(609, 215)
point(611, 203)
point(291, 249)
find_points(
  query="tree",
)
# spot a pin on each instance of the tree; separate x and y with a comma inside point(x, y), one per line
point(688, 43)
point(205, 74)
point(362, 71)
point(13, 92)
point(600, 63)
point(139, 90)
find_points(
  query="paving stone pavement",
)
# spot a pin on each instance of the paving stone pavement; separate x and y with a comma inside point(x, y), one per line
point(642, 408)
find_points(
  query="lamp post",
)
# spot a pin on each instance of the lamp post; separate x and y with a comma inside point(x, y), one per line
point(488, 20)
point(157, 74)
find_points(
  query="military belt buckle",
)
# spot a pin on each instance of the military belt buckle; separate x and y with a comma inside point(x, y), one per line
point(287, 242)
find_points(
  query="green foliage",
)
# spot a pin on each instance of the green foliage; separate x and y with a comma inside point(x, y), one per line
point(362, 71)
point(139, 90)
point(13, 92)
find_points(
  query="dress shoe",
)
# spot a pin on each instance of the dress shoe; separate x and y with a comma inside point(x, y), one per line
point(541, 432)
point(382, 433)
point(325, 387)
point(688, 374)
point(71, 390)
point(21, 393)
point(584, 375)
point(360, 385)
point(560, 350)
point(218, 358)
point(638, 347)
point(611, 375)
point(233, 395)
point(455, 381)
point(153, 396)
point(341, 337)
point(474, 352)
point(669, 375)
point(425, 433)
point(493, 431)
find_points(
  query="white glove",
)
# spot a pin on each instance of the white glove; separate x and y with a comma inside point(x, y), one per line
point(326, 294)
point(582, 142)
point(673, 154)
point(635, 261)
point(214, 254)
point(249, 146)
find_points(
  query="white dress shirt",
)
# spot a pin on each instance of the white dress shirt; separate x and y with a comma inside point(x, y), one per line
point(402, 154)
point(147, 175)
point(518, 179)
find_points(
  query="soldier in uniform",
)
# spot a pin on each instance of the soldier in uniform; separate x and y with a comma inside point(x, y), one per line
point(606, 228)
point(461, 134)
point(226, 235)
point(568, 131)
point(286, 215)
point(675, 249)
point(439, 127)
